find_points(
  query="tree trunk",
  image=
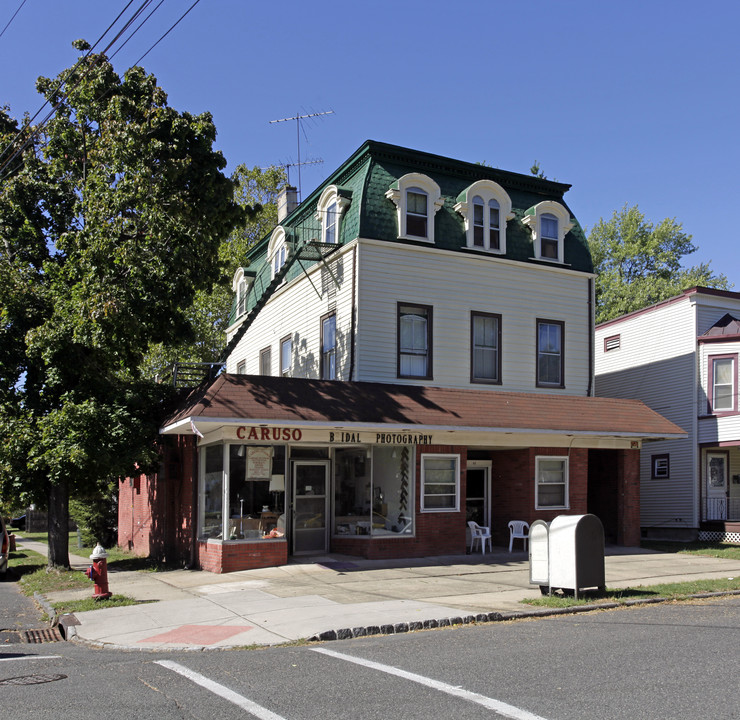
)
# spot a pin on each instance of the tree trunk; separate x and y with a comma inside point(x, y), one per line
point(58, 525)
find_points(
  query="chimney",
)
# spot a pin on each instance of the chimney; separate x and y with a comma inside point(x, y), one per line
point(287, 202)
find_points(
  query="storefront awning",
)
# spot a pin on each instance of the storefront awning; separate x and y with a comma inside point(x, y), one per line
point(245, 407)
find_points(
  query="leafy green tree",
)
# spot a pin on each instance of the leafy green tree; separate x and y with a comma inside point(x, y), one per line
point(256, 191)
point(639, 263)
point(110, 221)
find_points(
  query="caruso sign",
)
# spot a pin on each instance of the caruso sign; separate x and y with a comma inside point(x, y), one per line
point(260, 433)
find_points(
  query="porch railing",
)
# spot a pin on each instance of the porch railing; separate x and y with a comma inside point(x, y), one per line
point(722, 509)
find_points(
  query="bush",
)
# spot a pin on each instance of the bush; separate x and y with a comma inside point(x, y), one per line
point(96, 516)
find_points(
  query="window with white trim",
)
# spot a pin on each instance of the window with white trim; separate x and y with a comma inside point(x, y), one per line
point(417, 199)
point(277, 250)
point(329, 347)
point(723, 383)
point(551, 482)
point(329, 211)
point(440, 483)
point(240, 285)
point(549, 222)
point(266, 361)
point(486, 208)
point(286, 356)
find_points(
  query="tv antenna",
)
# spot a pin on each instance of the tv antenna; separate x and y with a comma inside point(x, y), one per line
point(298, 118)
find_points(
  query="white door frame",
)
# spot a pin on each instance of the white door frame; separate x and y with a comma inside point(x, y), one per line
point(487, 466)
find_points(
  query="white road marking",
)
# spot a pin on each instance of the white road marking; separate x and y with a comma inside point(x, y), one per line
point(221, 690)
point(30, 657)
point(501, 708)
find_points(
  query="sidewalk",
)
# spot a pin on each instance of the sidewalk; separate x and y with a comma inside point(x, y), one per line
point(338, 596)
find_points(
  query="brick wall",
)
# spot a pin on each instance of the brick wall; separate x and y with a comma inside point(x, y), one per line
point(156, 511)
point(220, 557)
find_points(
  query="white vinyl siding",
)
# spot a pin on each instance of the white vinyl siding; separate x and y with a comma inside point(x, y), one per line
point(454, 285)
point(657, 363)
point(295, 310)
point(725, 427)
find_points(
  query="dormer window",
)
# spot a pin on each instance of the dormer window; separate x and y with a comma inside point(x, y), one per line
point(417, 199)
point(329, 210)
point(549, 222)
point(486, 207)
point(277, 250)
point(240, 285)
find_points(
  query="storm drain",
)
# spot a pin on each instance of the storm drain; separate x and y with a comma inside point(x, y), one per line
point(42, 636)
point(32, 679)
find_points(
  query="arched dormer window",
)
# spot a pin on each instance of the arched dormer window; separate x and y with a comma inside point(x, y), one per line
point(329, 211)
point(240, 286)
point(549, 222)
point(277, 250)
point(486, 208)
point(417, 199)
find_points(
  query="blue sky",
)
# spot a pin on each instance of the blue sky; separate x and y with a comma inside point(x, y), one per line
point(632, 102)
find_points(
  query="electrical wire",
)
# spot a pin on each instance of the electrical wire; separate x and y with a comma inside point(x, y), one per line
point(123, 45)
point(61, 84)
point(168, 32)
point(13, 18)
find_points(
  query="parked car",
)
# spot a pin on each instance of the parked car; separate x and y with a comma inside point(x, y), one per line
point(4, 548)
point(19, 523)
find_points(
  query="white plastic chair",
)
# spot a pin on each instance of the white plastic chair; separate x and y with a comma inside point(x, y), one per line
point(518, 529)
point(481, 534)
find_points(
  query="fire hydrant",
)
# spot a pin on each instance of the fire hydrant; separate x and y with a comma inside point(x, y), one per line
point(98, 573)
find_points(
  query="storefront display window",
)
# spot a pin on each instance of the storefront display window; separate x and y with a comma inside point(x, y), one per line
point(352, 492)
point(211, 506)
point(392, 501)
point(372, 491)
point(256, 490)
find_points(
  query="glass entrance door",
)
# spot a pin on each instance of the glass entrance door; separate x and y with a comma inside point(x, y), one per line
point(310, 484)
point(716, 486)
point(477, 501)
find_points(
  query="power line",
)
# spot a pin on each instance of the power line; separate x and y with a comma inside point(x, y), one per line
point(168, 32)
point(13, 18)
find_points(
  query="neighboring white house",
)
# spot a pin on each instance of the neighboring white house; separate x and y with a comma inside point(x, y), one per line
point(680, 357)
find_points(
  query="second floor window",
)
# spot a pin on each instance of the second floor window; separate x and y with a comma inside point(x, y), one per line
point(266, 361)
point(722, 384)
point(286, 356)
point(549, 236)
point(329, 347)
point(485, 348)
point(330, 235)
point(414, 341)
point(550, 353)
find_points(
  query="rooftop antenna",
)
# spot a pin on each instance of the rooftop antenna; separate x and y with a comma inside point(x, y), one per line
point(298, 164)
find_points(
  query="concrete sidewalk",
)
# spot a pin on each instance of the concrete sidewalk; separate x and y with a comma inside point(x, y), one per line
point(338, 596)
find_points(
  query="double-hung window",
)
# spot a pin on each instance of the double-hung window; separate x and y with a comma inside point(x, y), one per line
point(414, 341)
point(485, 345)
point(416, 212)
point(329, 347)
point(330, 235)
point(549, 247)
point(440, 483)
point(551, 482)
point(266, 361)
point(723, 383)
point(286, 356)
point(550, 354)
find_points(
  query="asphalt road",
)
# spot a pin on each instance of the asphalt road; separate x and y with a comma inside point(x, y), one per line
point(658, 661)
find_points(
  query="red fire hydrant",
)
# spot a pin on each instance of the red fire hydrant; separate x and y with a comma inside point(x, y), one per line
point(98, 573)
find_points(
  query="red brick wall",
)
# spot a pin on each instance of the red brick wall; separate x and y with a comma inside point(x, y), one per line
point(628, 498)
point(232, 556)
point(156, 512)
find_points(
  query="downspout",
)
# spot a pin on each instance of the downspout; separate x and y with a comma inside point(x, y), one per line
point(353, 324)
point(591, 321)
point(195, 510)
